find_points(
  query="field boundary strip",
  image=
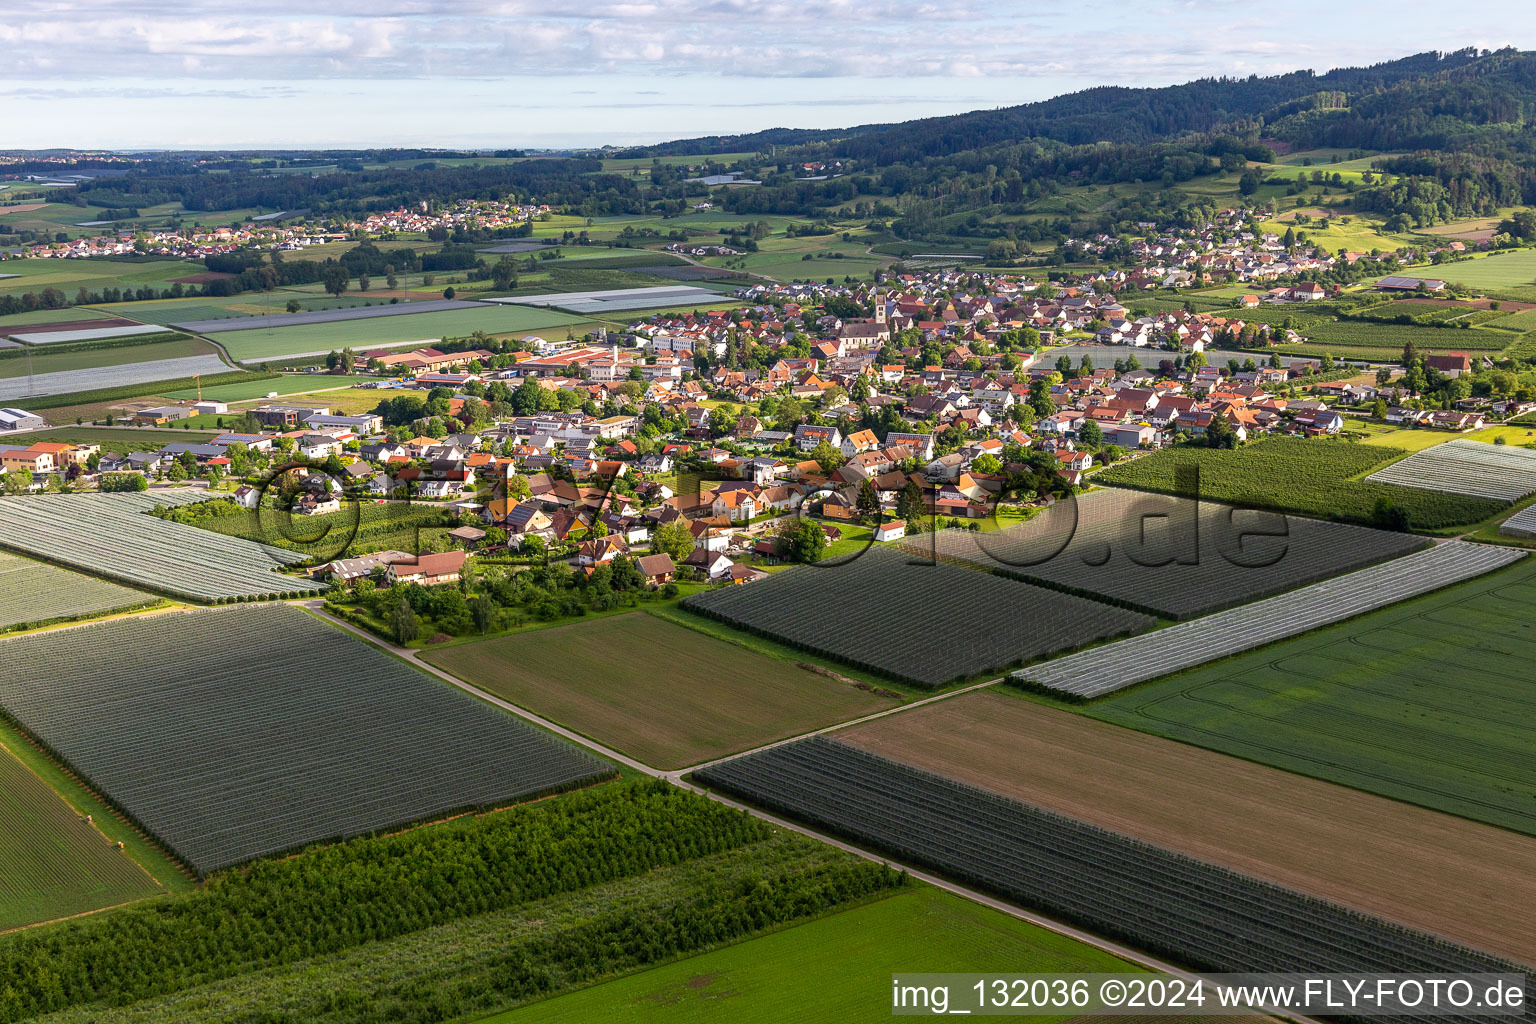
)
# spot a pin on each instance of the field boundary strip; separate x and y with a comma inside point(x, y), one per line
point(1116, 666)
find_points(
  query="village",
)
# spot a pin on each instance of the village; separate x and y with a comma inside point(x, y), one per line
point(944, 407)
point(268, 232)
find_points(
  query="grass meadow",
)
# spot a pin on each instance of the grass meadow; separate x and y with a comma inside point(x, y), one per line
point(93, 275)
point(53, 863)
point(837, 968)
point(1428, 702)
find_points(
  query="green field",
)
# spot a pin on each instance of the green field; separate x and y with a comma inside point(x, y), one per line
point(535, 900)
point(121, 440)
point(1430, 701)
point(784, 259)
point(1522, 321)
point(356, 530)
point(1343, 337)
point(1514, 268)
point(1312, 477)
point(837, 968)
point(663, 693)
point(275, 343)
point(166, 311)
point(51, 316)
point(93, 275)
point(288, 384)
point(53, 863)
point(42, 359)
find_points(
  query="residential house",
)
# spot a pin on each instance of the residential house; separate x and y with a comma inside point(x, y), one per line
point(428, 570)
point(657, 569)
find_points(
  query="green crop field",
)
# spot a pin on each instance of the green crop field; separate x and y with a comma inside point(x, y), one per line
point(358, 529)
point(287, 384)
point(35, 594)
point(274, 343)
point(51, 316)
point(663, 693)
point(1307, 476)
point(121, 440)
point(1429, 701)
point(1514, 268)
point(93, 275)
point(1344, 335)
point(166, 311)
point(837, 968)
point(53, 863)
point(1522, 321)
point(25, 363)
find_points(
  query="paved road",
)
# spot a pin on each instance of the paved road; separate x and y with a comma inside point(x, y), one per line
point(677, 778)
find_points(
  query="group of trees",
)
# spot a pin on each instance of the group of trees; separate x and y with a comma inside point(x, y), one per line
point(282, 911)
point(490, 597)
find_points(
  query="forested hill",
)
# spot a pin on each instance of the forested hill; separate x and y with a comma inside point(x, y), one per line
point(1426, 101)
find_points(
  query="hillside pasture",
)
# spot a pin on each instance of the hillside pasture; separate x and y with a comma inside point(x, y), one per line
point(1427, 702)
point(53, 863)
point(1504, 270)
point(330, 737)
point(1328, 841)
point(665, 694)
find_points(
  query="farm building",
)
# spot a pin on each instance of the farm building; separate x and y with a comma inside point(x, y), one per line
point(1397, 283)
point(162, 414)
point(19, 419)
point(344, 570)
point(1452, 364)
point(657, 569)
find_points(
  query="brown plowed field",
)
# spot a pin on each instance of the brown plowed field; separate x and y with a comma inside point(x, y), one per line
point(1468, 882)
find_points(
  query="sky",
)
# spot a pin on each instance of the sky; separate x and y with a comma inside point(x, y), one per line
point(178, 74)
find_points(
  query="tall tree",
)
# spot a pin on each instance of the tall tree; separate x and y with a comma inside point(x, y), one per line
point(868, 502)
